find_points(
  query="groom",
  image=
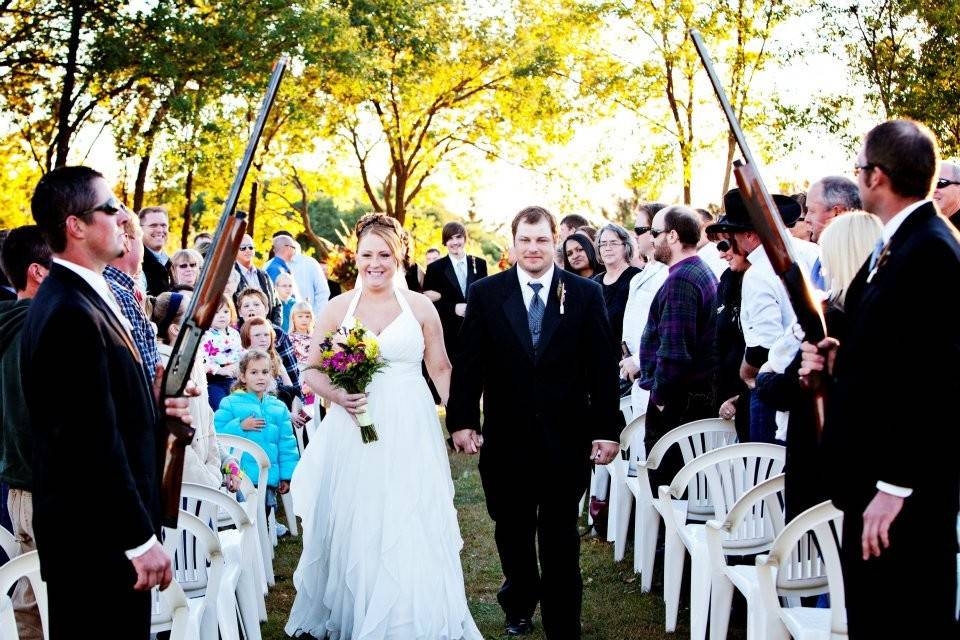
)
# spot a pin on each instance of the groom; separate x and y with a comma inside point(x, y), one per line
point(537, 346)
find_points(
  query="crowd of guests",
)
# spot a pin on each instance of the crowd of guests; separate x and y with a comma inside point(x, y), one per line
point(704, 328)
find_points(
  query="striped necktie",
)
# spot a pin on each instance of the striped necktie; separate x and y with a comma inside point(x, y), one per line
point(535, 313)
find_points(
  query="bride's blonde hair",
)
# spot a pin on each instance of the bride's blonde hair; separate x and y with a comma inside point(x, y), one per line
point(386, 228)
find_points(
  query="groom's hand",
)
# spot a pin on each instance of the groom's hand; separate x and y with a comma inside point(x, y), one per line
point(467, 441)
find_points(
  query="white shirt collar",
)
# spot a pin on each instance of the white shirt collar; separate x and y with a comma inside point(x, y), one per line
point(99, 284)
point(757, 255)
point(526, 278)
point(457, 261)
point(893, 225)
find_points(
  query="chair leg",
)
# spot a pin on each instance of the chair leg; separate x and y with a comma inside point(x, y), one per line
point(613, 496)
point(227, 614)
point(247, 603)
point(674, 557)
point(646, 541)
point(622, 507)
point(291, 517)
point(721, 599)
point(699, 595)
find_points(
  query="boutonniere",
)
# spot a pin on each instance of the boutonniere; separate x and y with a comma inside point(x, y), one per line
point(561, 295)
point(881, 260)
point(473, 264)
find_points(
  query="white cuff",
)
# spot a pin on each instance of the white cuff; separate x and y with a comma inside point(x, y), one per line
point(135, 553)
point(894, 490)
point(636, 359)
point(607, 441)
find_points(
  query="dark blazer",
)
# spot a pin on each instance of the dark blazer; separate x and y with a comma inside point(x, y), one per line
point(157, 274)
point(557, 400)
point(442, 278)
point(98, 449)
point(274, 307)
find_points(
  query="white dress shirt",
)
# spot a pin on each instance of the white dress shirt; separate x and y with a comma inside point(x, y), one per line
point(525, 279)
point(99, 284)
point(765, 311)
point(310, 282)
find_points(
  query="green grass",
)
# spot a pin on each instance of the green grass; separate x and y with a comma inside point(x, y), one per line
point(613, 606)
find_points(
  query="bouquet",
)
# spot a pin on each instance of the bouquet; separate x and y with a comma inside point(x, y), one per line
point(350, 358)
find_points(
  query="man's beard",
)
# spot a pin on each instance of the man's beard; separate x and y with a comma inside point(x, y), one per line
point(661, 253)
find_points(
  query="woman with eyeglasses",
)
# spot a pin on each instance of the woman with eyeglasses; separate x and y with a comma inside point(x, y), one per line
point(616, 254)
point(579, 256)
point(185, 267)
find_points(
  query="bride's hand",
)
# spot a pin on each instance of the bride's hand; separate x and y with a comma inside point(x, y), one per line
point(354, 403)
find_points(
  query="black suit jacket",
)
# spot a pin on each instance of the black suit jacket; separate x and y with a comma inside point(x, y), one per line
point(157, 274)
point(892, 412)
point(540, 408)
point(274, 308)
point(442, 278)
point(97, 451)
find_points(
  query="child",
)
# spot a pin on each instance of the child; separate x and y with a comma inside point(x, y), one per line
point(252, 413)
point(301, 328)
point(252, 303)
point(222, 348)
point(284, 286)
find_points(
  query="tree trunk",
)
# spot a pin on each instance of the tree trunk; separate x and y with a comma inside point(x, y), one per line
point(138, 186)
point(62, 141)
point(252, 210)
point(187, 215)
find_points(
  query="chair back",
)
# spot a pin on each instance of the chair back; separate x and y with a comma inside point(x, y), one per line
point(9, 544)
point(25, 565)
point(169, 608)
point(754, 521)
point(804, 560)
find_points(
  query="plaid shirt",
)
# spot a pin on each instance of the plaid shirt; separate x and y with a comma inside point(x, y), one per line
point(287, 355)
point(144, 335)
point(677, 344)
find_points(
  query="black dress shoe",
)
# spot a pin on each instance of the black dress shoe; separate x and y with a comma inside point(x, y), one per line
point(519, 627)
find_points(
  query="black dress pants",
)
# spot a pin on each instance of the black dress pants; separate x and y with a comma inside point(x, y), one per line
point(91, 596)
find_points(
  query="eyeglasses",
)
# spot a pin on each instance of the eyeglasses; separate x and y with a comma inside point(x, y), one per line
point(870, 166)
point(943, 183)
point(723, 246)
point(656, 232)
point(110, 207)
point(609, 244)
point(187, 265)
point(246, 247)
point(641, 230)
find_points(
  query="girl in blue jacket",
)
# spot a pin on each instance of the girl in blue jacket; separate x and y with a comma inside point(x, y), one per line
point(252, 413)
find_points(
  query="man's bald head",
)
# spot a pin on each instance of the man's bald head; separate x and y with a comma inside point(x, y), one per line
point(947, 191)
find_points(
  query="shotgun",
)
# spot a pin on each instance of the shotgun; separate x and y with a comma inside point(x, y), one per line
point(769, 226)
point(203, 307)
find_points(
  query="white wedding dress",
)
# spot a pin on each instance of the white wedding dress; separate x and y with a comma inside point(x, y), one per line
point(381, 543)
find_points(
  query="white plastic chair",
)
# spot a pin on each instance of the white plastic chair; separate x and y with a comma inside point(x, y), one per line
point(729, 473)
point(199, 568)
point(238, 446)
point(240, 548)
point(26, 565)
point(171, 612)
point(615, 497)
point(805, 561)
point(693, 438)
point(9, 544)
point(758, 515)
point(621, 497)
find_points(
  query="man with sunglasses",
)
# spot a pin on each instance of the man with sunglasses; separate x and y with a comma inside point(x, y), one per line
point(890, 437)
point(253, 278)
point(91, 409)
point(946, 193)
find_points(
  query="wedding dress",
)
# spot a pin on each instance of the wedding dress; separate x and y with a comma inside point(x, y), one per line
point(381, 543)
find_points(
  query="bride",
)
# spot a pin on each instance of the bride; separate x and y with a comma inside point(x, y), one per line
point(381, 543)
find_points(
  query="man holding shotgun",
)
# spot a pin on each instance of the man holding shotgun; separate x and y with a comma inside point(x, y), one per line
point(891, 431)
point(97, 438)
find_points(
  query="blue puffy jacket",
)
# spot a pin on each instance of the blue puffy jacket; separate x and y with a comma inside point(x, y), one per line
point(276, 437)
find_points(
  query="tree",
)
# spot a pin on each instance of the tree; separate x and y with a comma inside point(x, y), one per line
point(416, 83)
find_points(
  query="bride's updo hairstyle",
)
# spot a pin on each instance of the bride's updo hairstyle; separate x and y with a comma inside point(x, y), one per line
point(386, 228)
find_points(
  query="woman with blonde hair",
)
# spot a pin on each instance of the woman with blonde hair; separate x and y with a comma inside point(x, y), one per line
point(381, 543)
point(846, 244)
point(185, 266)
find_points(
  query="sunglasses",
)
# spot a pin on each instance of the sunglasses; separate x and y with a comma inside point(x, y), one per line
point(246, 247)
point(870, 166)
point(723, 246)
point(187, 265)
point(641, 230)
point(111, 207)
point(654, 233)
point(943, 183)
